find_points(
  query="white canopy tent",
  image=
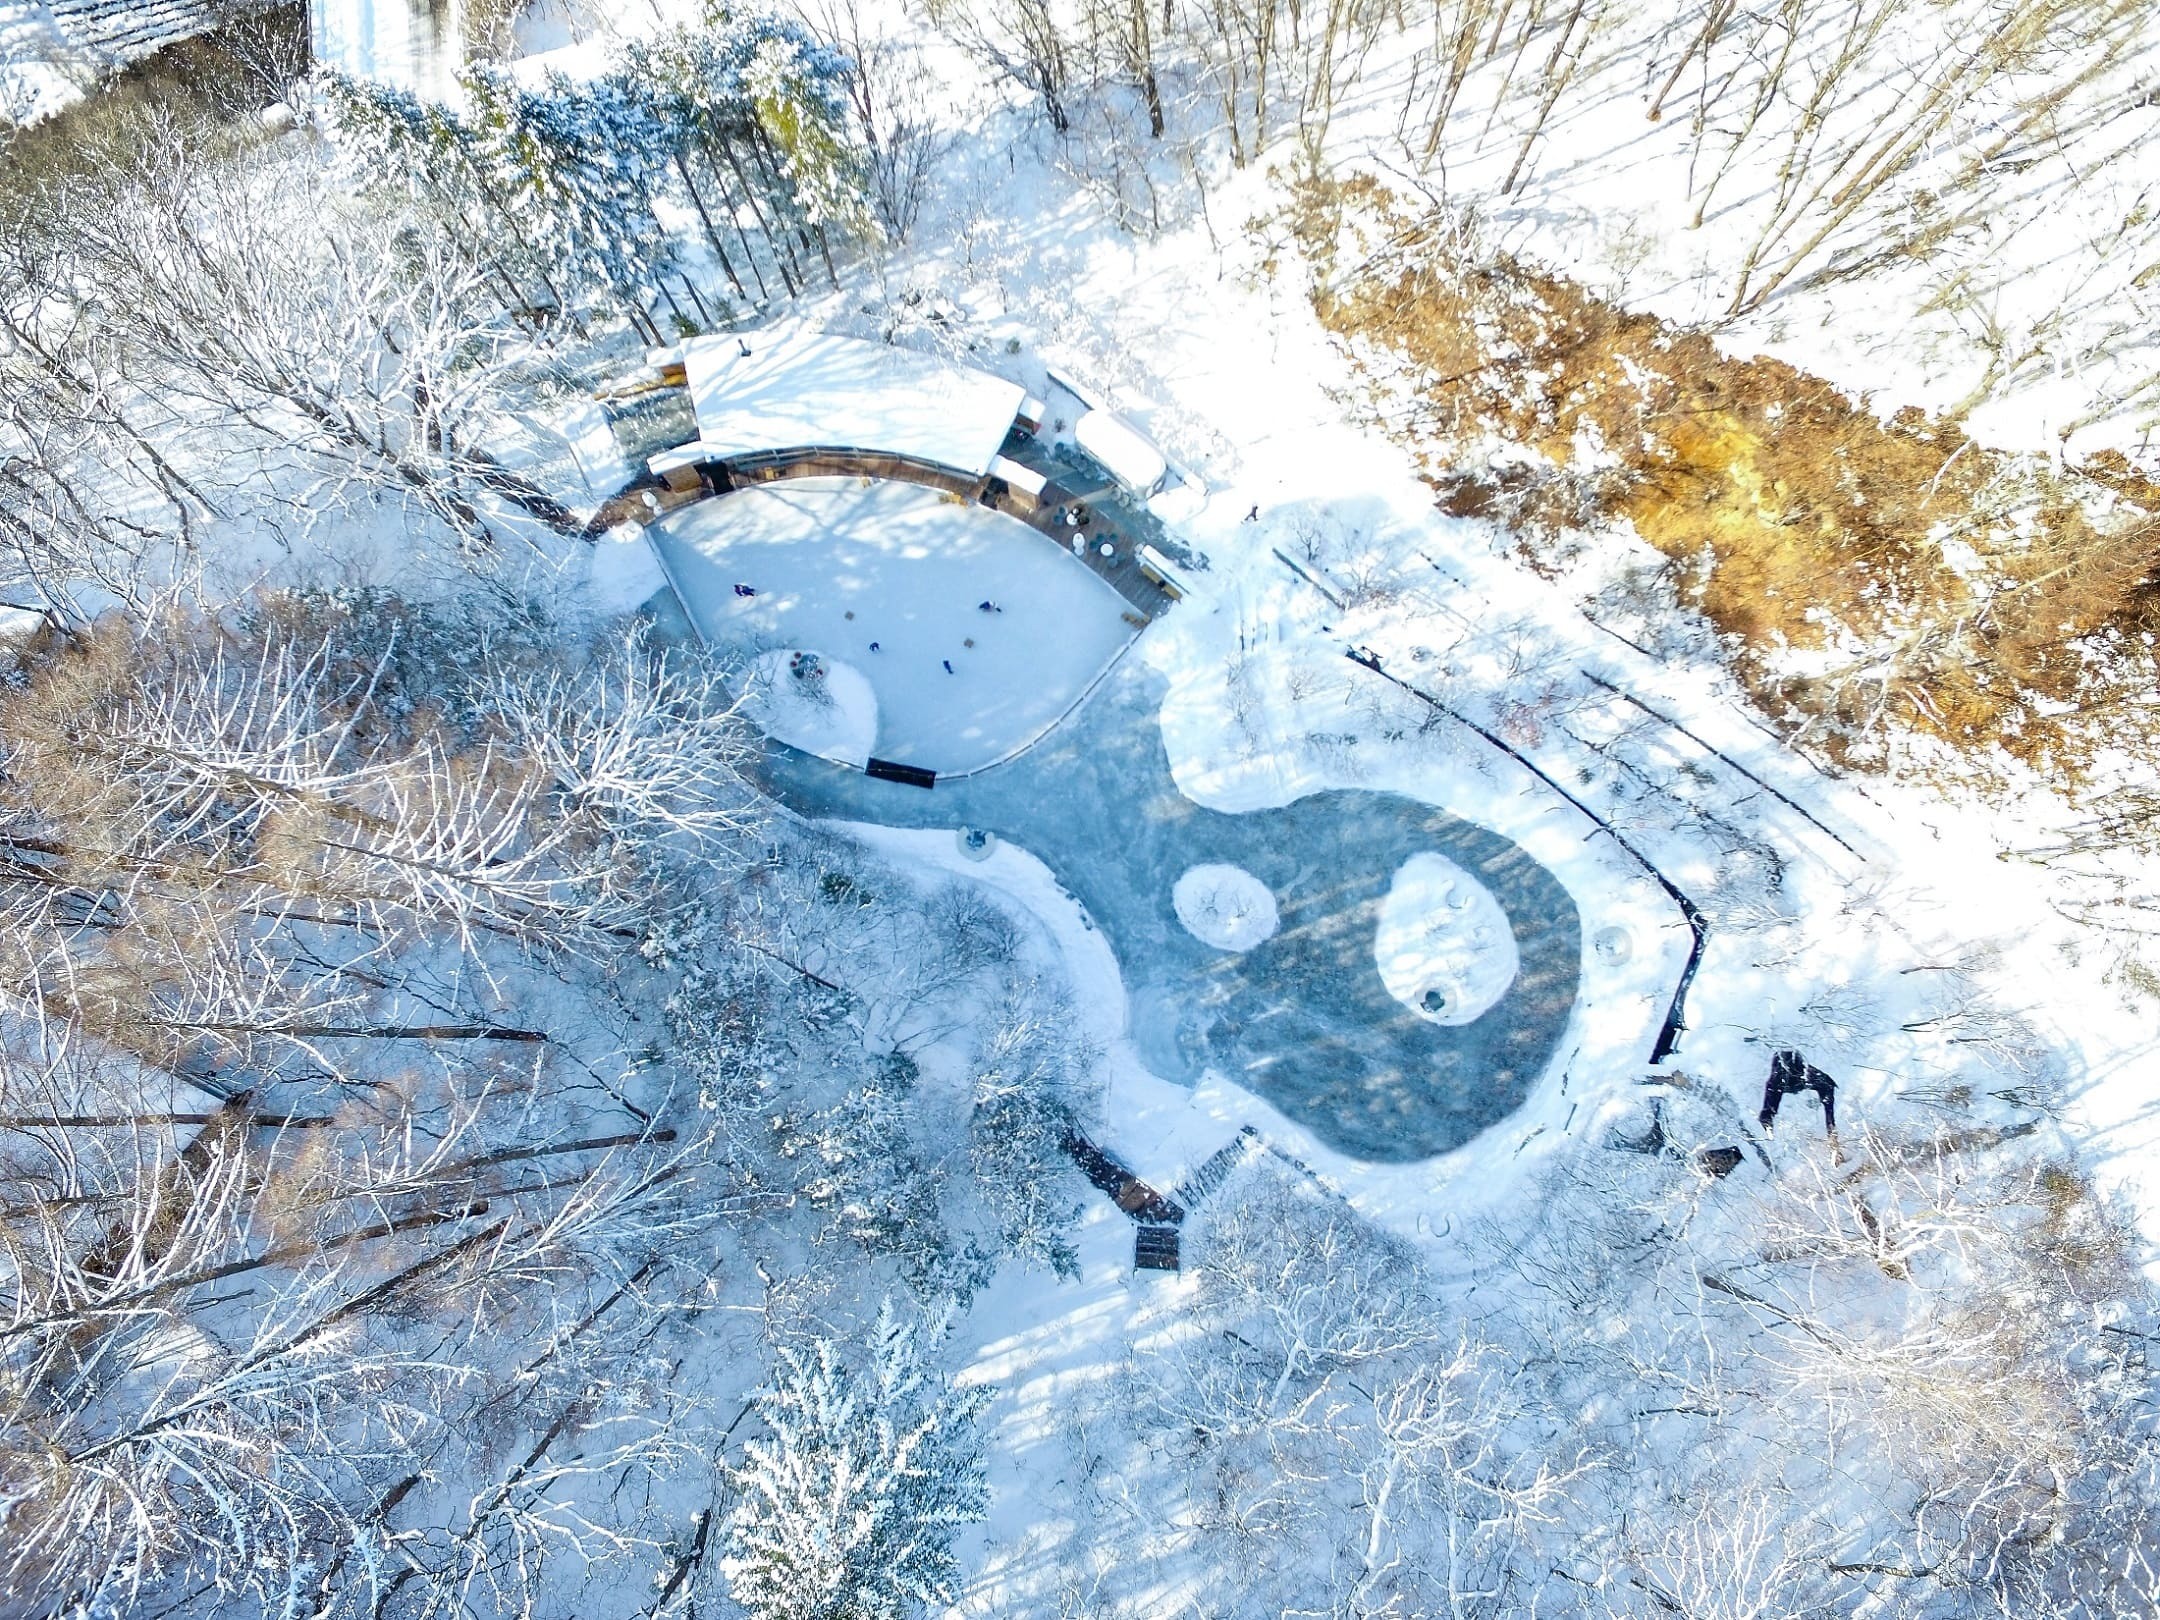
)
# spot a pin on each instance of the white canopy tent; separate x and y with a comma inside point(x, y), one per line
point(769, 391)
point(1129, 458)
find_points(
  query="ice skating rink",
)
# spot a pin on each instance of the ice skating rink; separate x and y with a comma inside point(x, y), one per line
point(840, 564)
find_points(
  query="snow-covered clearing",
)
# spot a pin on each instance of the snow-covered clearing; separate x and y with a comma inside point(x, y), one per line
point(890, 579)
point(1337, 914)
point(1896, 947)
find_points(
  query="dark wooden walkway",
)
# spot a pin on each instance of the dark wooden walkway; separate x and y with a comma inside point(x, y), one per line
point(1113, 515)
point(1220, 1163)
point(1155, 1217)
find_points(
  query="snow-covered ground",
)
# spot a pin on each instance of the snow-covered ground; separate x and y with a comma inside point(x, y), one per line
point(1876, 927)
point(1226, 906)
point(1444, 945)
point(2014, 288)
point(1896, 947)
point(1886, 928)
point(889, 579)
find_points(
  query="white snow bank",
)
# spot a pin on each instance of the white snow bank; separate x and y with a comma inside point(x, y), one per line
point(779, 390)
point(615, 573)
point(1225, 906)
point(1444, 945)
point(834, 716)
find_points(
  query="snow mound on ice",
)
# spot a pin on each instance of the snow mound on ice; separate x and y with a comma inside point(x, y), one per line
point(835, 718)
point(1225, 906)
point(1444, 946)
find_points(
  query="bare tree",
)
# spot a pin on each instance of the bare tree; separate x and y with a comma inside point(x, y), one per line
point(1025, 40)
point(288, 335)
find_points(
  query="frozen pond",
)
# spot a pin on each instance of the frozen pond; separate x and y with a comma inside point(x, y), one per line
point(1302, 1017)
point(841, 565)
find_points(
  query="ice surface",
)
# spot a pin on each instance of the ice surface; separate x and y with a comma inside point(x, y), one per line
point(402, 44)
point(912, 567)
point(1303, 1018)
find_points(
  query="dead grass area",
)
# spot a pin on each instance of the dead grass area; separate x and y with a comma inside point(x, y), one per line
point(1867, 575)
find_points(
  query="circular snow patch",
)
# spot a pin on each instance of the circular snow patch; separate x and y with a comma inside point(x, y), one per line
point(812, 702)
point(1225, 906)
point(1614, 945)
point(1444, 945)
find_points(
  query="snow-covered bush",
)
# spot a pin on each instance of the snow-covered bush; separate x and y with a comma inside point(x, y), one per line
point(867, 1467)
point(859, 1162)
point(1032, 1090)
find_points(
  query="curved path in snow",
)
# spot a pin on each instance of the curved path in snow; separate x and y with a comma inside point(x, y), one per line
point(1302, 1018)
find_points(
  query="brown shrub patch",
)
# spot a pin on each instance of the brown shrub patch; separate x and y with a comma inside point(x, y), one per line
point(1802, 522)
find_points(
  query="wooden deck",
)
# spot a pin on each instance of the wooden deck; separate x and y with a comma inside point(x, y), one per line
point(1113, 517)
point(1121, 570)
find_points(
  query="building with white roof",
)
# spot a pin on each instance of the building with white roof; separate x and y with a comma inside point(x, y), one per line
point(764, 393)
point(1124, 454)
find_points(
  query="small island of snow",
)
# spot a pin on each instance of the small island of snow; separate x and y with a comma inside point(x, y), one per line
point(1225, 906)
point(818, 704)
point(1444, 946)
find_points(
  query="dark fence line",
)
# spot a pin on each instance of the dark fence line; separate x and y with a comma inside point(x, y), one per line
point(1668, 1039)
point(1712, 749)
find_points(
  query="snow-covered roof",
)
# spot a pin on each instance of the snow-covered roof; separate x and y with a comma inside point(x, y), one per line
point(1024, 479)
point(770, 391)
point(53, 51)
point(1129, 458)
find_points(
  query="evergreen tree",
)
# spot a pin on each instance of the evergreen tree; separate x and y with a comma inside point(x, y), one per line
point(759, 111)
point(1030, 1089)
point(449, 164)
point(801, 104)
point(556, 185)
point(849, 1503)
point(862, 1166)
point(539, 168)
